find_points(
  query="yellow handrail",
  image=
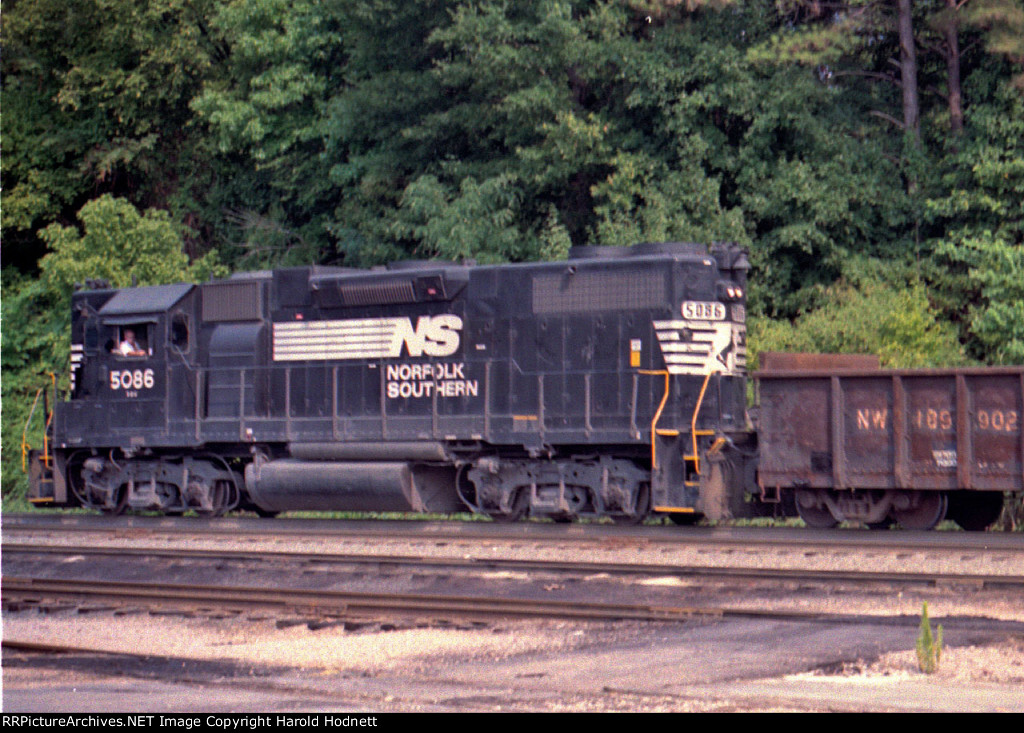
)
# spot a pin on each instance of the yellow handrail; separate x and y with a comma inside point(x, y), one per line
point(693, 423)
point(657, 414)
point(49, 420)
point(25, 445)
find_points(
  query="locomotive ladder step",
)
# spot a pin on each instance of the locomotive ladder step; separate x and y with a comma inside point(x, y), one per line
point(41, 462)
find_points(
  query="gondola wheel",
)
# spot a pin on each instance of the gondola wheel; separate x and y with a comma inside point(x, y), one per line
point(928, 510)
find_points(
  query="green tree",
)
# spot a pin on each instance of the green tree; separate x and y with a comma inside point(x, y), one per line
point(1003, 23)
point(262, 111)
point(371, 130)
point(996, 271)
point(978, 266)
point(96, 97)
point(476, 222)
point(869, 39)
point(120, 245)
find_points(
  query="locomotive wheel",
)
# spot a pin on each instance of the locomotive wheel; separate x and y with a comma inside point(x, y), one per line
point(641, 510)
point(928, 511)
point(218, 501)
point(818, 517)
point(120, 504)
point(975, 511)
point(520, 505)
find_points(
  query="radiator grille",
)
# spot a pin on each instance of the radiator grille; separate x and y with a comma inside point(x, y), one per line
point(374, 293)
point(590, 291)
point(232, 301)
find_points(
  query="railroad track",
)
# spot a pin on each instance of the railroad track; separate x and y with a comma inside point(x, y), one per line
point(243, 528)
point(899, 559)
point(343, 604)
point(554, 567)
point(465, 560)
point(332, 603)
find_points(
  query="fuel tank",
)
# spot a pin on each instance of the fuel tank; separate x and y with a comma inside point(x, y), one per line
point(379, 486)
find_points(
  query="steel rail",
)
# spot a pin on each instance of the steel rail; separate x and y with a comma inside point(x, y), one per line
point(976, 581)
point(341, 603)
point(524, 532)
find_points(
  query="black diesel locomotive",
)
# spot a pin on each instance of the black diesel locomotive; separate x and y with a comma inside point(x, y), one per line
point(611, 384)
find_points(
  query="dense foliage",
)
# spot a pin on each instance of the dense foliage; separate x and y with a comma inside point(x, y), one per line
point(878, 184)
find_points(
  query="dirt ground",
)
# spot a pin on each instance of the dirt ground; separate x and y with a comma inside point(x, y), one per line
point(272, 665)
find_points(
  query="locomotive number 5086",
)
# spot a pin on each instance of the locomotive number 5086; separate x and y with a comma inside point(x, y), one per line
point(131, 379)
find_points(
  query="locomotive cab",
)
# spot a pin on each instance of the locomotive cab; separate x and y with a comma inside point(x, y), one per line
point(132, 375)
point(122, 354)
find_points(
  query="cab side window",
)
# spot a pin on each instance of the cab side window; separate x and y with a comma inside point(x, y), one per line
point(92, 335)
point(133, 341)
point(179, 332)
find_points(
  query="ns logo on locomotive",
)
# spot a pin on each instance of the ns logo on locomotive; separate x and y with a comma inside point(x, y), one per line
point(613, 384)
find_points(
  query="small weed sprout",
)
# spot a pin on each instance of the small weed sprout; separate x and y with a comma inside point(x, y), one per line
point(929, 648)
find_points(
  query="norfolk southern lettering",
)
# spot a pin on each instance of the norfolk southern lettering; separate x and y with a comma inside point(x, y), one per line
point(428, 380)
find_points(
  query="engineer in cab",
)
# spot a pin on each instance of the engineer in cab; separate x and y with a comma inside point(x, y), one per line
point(129, 346)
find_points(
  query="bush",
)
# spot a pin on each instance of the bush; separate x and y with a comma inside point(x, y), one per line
point(895, 322)
point(929, 647)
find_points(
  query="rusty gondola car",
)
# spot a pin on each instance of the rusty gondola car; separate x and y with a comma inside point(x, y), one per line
point(855, 442)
